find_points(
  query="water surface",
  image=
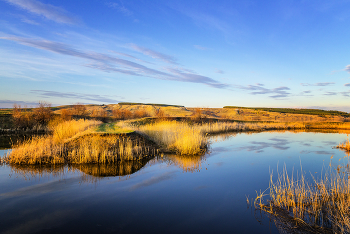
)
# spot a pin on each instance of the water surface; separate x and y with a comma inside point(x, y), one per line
point(169, 194)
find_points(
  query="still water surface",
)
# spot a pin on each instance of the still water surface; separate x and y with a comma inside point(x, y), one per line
point(169, 194)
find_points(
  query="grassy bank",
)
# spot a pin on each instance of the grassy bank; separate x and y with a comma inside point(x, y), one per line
point(90, 141)
point(80, 141)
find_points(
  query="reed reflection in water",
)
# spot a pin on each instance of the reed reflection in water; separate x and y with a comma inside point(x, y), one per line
point(188, 163)
point(96, 170)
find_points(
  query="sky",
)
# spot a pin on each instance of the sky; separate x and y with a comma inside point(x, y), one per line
point(194, 53)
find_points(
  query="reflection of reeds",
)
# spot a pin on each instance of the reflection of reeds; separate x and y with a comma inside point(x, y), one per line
point(28, 171)
point(320, 206)
point(114, 169)
point(187, 163)
point(121, 168)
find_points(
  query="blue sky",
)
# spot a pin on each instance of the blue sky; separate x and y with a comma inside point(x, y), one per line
point(193, 53)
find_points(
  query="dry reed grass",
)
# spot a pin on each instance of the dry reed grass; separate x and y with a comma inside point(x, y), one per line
point(345, 145)
point(75, 142)
point(221, 127)
point(105, 148)
point(319, 206)
point(175, 136)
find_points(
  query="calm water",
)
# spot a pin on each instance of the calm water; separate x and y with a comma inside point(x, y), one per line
point(169, 194)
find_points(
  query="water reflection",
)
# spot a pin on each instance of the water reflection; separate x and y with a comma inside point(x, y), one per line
point(108, 170)
point(95, 170)
point(187, 163)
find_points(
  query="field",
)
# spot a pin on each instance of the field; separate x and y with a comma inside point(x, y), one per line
point(19, 118)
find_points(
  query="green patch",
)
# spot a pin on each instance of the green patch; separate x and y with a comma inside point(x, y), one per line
point(111, 128)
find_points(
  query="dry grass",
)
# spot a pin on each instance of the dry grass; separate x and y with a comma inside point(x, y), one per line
point(221, 127)
point(345, 145)
point(179, 137)
point(68, 129)
point(319, 206)
point(75, 141)
point(105, 148)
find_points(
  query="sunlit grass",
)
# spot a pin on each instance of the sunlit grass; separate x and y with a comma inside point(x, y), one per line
point(77, 141)
point(345, 145)
point(176, 136)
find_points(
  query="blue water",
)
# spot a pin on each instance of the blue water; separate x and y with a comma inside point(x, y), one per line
point(169, 194)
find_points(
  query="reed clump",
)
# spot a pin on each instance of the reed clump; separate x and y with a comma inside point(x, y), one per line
point(49, 148)
point(221, 127)
point(179, 137)
point(345, 145)
point(319, 206)
point(108, 148)
point(76, 141)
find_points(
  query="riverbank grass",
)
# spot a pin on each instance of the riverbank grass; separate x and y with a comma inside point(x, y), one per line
point(81, 141)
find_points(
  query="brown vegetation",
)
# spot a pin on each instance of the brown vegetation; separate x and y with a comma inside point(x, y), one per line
point(32, 118)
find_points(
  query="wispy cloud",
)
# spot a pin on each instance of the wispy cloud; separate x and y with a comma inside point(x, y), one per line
point(108, 63)
point(347, 84)
point(345, 94)
point(72, 95)
point(207, 20)
point(219, 71)
point(330, 93)
point(29, 21)
point(120, 7)
point(154, 54)
point(48, 11)
point(9, 103)
point(318, 84)
point(130, 56)
point(187, 76)
point(347, 68)
point(279, 92)
point(198, 47)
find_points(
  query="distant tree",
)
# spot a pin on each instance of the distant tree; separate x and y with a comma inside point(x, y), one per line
point(160, 114)
point(43, 113)
point(79, 109)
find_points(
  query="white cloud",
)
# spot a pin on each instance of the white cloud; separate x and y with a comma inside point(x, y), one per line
point(48, 11)
point(120, 8)
point(200, 47)
point(154, 54)
point(347, 68)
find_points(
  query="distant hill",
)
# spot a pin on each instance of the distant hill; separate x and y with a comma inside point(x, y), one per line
point(296, 111)
point(149, 104)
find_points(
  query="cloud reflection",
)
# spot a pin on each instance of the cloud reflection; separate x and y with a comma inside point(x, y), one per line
point(259, 146)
